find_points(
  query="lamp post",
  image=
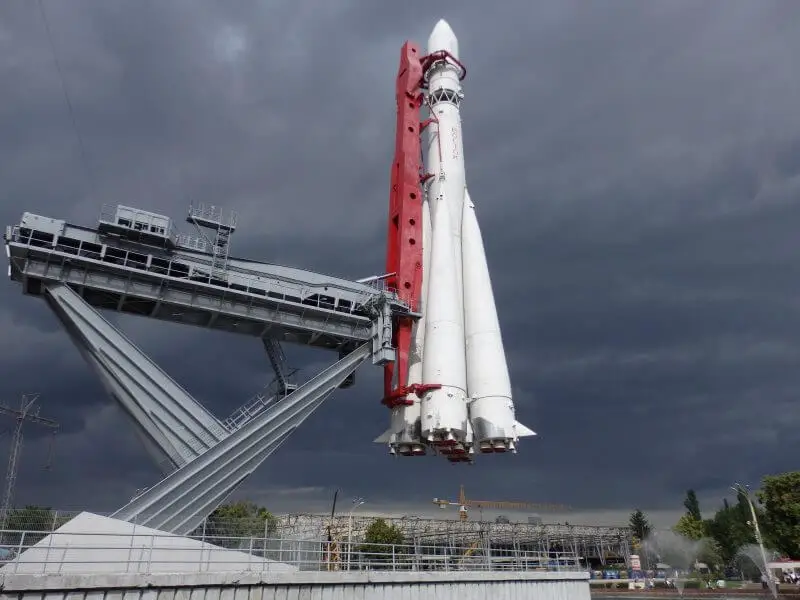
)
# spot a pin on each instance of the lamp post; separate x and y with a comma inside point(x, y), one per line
point(745, 491)
point(356, 503)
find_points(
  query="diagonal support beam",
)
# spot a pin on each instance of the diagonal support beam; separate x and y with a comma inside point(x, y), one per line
point(181, 501)
point(278, 361)
point(174, 426)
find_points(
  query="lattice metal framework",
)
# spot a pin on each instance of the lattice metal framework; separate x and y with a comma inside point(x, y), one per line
point(599, 544)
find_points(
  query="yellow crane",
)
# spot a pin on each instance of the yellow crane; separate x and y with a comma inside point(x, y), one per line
point(463, 503)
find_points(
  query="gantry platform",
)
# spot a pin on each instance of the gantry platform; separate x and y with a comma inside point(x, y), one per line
point(136, 262)
point(160, 274)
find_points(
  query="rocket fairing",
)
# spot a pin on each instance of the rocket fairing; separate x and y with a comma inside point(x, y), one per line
point(457, 358)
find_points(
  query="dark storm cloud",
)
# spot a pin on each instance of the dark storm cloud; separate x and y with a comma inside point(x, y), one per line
point(636, 168)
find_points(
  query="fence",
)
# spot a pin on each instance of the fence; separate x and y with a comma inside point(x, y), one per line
point(92, 552)
point(591, 543)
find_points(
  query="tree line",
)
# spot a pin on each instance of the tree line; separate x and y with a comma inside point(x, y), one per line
point(777, 508)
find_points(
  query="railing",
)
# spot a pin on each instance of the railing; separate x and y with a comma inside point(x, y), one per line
point(186, 269)
point(254, 406)
point(193, 242)
point(210, 214)
point(151, 553)
point(41, 521)
point(589, 542)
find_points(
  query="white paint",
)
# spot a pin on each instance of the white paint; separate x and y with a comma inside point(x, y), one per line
point(444, 410)
point(443, 38)
point(491, 410)
point(445, 151)
point(459, 344)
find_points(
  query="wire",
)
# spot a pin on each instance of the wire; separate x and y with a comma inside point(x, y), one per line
point(84, 156)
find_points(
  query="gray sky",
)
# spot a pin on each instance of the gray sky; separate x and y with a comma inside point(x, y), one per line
point(636, 167)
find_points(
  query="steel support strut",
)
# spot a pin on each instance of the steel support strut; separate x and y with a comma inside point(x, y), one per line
point(183, 499)
point(278, 361)
point(174, 426)
point(193, 448)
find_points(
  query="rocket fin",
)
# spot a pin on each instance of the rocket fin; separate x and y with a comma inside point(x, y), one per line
point(385, 437)
point(523, 431)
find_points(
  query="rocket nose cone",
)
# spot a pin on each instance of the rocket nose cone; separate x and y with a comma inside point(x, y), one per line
point(443, 38)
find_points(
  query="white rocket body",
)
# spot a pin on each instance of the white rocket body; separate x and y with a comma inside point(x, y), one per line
point(491, 410)
point(492, 424)
point(445, 149)
point(444, 410)
point(457, 344)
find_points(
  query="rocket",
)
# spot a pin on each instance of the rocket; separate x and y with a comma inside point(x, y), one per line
point(456, 356)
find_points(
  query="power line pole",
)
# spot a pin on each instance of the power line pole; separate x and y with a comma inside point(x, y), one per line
point(26, 412)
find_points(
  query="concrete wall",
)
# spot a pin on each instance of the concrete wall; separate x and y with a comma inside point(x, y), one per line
point(296, 586)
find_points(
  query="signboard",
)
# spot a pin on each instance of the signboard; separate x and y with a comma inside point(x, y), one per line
point(635, 562)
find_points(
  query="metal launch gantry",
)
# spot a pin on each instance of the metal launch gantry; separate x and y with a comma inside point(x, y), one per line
point(135, 262)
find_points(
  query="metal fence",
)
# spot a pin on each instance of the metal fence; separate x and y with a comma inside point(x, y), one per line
point(38, 522)
point(599, 545)
point(146, 553)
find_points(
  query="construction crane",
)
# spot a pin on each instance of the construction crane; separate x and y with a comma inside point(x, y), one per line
point(463, 504)
point(27, 412)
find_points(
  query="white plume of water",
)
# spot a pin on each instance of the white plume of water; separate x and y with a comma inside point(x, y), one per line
point(679, 552)
point(753, 553)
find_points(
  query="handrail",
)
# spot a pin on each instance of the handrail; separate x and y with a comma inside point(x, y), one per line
point(146, 553)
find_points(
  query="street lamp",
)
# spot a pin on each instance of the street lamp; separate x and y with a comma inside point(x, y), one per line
point(745, 491)
point(356, 503)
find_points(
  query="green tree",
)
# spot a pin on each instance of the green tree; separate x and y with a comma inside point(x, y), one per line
point(729, 528)
point(780, 497)
point(639, 525)
point(230, 523)
point(380, 539)
point(692, 506)
point(690, 527)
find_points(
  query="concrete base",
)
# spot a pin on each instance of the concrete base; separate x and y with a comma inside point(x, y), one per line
point(91, 543)
point(365, 585)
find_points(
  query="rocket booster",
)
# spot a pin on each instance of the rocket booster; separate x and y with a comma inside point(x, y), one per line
point(444, 410)
point(491, 410)
point(457, 352)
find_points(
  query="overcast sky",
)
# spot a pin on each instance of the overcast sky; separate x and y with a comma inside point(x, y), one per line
point(636, 168)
